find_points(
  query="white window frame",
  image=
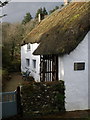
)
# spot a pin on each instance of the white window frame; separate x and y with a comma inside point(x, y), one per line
point(34, 63)
point(27, 62)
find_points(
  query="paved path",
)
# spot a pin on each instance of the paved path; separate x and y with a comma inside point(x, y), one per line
point(14, 82)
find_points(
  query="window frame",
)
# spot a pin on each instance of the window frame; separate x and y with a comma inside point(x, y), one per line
point(27, 62)
point(34, 63)
point(79, 66)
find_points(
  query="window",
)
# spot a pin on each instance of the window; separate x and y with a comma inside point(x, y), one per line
point(34, 63)
point(28, 47)
point(79, 66)
point(27, 62)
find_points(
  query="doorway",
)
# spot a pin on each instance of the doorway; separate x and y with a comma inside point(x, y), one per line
point(48, 68)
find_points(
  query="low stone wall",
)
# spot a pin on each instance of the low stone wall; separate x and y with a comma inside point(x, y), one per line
point(43, 98)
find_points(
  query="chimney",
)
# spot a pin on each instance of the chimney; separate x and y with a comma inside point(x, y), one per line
point(39, 17)
point(65, 2)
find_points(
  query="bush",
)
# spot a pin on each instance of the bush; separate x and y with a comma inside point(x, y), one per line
point(5, 77)
point(15, 66)
point(5, 74)
point(27, 18)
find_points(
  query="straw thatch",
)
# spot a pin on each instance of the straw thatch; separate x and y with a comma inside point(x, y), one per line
point(63, 30)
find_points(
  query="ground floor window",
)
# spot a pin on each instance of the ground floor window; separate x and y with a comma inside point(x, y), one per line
point(79, 66)
point(34, 63)
point(27, 62)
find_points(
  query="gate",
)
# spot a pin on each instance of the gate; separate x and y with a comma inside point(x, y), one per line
point(11, 103)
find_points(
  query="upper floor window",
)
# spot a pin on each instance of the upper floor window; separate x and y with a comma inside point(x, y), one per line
point(79, 66)
point(28, 47)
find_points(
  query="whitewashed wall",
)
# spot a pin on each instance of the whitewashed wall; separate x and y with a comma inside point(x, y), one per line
point(76, 82)
point(89, 70)
point(25, 54)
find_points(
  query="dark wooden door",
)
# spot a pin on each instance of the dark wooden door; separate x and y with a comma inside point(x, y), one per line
point(48, 68)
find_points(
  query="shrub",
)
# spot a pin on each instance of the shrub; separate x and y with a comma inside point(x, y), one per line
point(15, 66)
point(5, 77)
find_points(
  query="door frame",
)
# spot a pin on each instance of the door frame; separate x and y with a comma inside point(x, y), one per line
point(48, 68)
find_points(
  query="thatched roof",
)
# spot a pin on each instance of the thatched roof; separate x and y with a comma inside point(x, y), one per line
point(63, 30)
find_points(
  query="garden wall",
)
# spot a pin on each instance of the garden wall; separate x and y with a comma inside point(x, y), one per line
point(43, 98)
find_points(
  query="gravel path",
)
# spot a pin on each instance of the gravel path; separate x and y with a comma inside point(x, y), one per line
point(16, 79)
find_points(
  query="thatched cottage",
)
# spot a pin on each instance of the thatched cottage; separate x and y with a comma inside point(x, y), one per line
point(61, 42)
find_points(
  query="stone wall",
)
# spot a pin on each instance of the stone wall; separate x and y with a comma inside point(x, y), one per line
point(43, 98)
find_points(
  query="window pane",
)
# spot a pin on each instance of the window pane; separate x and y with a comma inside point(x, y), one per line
point(27, 62)
point(34, 63)
point(28, 47)
point(79, 66)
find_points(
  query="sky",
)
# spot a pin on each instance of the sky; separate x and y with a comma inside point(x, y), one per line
point(16, 10)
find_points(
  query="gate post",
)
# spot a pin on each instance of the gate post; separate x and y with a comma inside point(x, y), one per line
point(18, 100)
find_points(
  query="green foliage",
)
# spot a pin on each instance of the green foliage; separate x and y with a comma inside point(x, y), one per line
point(62, 5)
point(11, 47)
point(12, 36)
point(59, 87)
point(5, 57)
point(15, 66)
point(39, 11)
point(9, 61)
point(45, 11)
point(5, 77)
point(8, 57)
point(42, 11)
point(4, 72)
point(27, 18)
point(51, 11)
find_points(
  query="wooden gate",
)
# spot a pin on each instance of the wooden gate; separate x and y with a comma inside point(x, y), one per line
point(10, 103)
point(48, 68)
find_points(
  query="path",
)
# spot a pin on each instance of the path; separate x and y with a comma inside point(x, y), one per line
point(16, 79)
point(72, 115)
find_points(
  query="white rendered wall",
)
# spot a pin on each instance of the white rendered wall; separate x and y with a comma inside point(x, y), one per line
point(89, 70)
point(76, 82)
point(25, 54)
point(23, 57)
